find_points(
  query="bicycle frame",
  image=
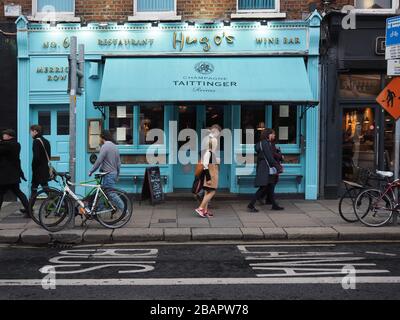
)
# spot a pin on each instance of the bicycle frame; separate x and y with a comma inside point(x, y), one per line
point(95, 188)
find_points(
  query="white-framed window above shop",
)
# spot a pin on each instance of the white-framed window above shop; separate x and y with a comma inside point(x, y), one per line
point(376, 6)
point(154, 10)
point(258, 9)
point(53, 10)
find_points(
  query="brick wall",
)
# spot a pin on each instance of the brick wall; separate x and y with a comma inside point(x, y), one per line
point(119, 10)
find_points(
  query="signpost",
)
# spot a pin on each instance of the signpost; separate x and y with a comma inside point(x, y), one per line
point(391, 94)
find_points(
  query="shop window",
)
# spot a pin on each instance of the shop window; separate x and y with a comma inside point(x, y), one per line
point(121, 124)
point(155, 5)
point(63, 123)
point(151, 117)
point(44, 120)
point(375, 4)
point(284, 122)
point(358, 150)
point(258, 5)
point(58, 6)
point(252, 118)
point(356, 86)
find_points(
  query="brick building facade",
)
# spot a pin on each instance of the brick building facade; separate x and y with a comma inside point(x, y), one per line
point(120, 10)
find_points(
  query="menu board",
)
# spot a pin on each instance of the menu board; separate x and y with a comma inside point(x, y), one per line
point(152, 186)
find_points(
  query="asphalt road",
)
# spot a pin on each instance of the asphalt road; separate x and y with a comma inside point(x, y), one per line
point(202, 271)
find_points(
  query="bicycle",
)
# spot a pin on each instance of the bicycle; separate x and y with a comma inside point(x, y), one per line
point(375, 207)
point(111, 207)
point(353, 189)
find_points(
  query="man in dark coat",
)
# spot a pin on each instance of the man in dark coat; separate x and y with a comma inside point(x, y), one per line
point(10, 168)
point(40, 160)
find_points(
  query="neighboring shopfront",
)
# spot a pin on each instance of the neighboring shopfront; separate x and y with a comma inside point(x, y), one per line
point(356, 131)
point(171, 77)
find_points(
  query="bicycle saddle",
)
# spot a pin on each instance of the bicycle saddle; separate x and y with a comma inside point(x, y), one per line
point(386, 174)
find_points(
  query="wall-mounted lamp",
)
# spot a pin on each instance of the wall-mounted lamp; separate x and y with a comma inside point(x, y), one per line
point(264, 22)
point(227, 23)
point(103, 24)
point(191, 23)
point(154, 23)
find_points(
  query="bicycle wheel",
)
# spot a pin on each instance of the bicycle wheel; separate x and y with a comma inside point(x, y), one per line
point(373, 208)
point(55, 212)
point(115, 210)
point(346, 207)
point(36, 201)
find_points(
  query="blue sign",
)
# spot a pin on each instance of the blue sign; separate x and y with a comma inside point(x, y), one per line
point(393, 31)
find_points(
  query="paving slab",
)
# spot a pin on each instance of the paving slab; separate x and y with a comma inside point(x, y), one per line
point(138, 234)
point(252, 233)
point(178, 234)
point(291, 220)
point(36, 236)
point(274, 233)
point(10, 236)
point(216, 234)
point(314, 233)
point(97, 235)
point(11, 226)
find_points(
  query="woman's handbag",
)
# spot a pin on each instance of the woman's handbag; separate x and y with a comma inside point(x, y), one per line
point(272, 170)
point(52, 171)
point(197, 184)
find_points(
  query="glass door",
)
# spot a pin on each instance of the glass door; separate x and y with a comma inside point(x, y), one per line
point(360, 140)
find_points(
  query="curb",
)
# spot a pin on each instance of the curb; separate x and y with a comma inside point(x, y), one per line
point(138, 235)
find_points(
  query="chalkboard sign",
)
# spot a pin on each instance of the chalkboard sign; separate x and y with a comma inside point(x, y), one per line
point(152, 187)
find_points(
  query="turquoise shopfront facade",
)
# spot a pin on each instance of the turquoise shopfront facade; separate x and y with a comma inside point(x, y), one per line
point(154, 85)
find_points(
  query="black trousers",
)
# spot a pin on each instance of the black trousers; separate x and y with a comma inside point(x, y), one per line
point(14, 188)
point(268, 191)
point(271, 194)
point(261, 193)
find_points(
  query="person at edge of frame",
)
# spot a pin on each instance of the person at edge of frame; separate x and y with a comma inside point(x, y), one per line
point(10, 169)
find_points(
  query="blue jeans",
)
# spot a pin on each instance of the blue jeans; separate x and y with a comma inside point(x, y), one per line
point(109, 181)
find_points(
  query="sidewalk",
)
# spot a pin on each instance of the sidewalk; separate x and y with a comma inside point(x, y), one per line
point(175, 220)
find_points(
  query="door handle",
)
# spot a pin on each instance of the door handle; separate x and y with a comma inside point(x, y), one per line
point(55, 158)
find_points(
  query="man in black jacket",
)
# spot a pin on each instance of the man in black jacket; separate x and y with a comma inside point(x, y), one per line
point(10, 168)
point(40, 160)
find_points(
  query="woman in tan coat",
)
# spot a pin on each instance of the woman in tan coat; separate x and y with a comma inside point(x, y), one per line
point(210, 164)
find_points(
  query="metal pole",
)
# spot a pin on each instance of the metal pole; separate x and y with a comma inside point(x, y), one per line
point(72, 108)
point(396, 163)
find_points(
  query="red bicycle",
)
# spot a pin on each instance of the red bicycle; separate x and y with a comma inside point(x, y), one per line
point(375, 207)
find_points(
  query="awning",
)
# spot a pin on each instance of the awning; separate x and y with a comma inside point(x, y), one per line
point(231, 79)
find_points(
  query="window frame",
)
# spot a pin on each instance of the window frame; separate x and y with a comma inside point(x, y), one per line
point(275, 10)
point(136, 146)
point(58, 14)
point(290, 148)
point(395, 7)
point(136, 119)
point(152, 14)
